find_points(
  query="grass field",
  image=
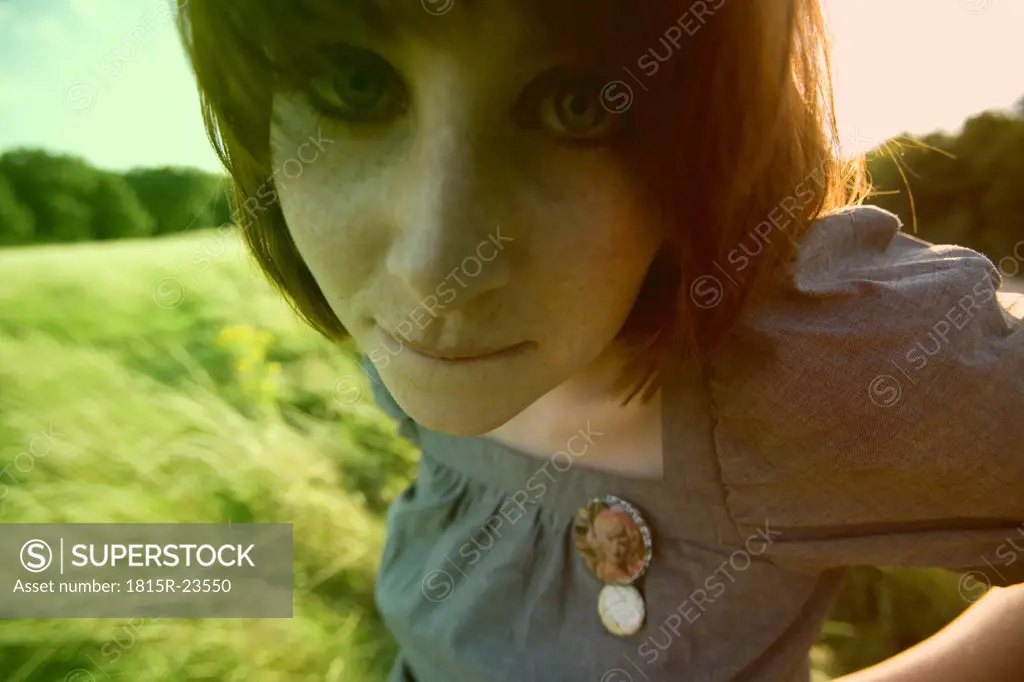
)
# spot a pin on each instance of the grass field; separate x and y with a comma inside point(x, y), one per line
point(178, 387)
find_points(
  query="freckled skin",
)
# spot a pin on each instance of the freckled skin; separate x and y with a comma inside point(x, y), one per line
point(388, 214)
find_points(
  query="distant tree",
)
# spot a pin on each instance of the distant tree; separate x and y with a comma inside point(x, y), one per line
point(17, 223)
point(117, 211)
point(178, 198)
point(69, 218)
point(220, 208)
point(58, 189)
point(67, 199)
point(964, 189)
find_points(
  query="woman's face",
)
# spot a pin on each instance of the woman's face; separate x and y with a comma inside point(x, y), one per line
point(471, 220)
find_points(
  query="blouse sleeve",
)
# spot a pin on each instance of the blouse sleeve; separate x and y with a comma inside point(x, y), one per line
point(870, 408)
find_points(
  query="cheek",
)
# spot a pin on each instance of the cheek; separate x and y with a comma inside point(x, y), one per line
point(334, 220)
point(322, 223)
point(594, 249)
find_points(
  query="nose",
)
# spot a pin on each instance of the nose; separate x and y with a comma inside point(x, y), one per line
point(448, 234)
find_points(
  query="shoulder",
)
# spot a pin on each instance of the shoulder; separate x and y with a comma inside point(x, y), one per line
point(863, 249)
point(869, 401)
point(865, 347)
point(856, 278)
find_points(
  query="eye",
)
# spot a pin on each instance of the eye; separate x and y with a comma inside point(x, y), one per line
point(358, 86)
point(569, 105)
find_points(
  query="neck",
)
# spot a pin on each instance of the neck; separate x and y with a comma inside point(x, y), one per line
point(586, 397)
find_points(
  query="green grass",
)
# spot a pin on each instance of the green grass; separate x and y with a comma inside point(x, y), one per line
point(152, 422)
point(160, 415)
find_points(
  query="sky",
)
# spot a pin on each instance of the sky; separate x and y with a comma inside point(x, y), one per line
point(107, 79)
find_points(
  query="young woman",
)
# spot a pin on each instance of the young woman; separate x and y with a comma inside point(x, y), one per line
point(669, 379)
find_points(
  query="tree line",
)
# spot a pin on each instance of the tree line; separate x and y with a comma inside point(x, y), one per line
point(965, 189)
point(50, 198)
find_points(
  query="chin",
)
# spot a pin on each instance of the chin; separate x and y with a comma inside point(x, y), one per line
point(469, 416)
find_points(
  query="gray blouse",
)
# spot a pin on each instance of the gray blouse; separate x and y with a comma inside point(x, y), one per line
point(867, 411)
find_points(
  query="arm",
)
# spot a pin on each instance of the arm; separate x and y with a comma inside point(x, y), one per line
point(982, 645)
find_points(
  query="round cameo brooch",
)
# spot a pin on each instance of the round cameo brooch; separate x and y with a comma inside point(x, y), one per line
point(614, 541)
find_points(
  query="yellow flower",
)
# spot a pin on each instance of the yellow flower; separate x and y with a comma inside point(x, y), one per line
point(233, 332)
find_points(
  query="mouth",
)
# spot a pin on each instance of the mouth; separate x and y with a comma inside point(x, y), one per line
point(456, 354)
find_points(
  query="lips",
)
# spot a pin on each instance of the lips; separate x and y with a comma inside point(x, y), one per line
point(455, 353)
